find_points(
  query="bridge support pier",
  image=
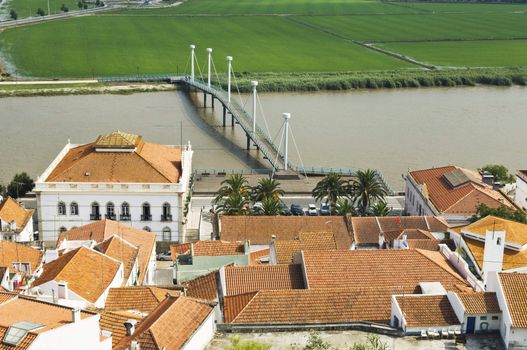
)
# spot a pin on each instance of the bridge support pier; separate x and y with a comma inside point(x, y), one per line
point(248, 141)
point(212, 101)
point(205, 100)
point(224, 115)
point(232, 120)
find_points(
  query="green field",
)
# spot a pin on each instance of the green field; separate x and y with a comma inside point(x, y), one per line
point(28, 8)
point(272, 36)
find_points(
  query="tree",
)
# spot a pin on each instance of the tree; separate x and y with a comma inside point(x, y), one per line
point(41, 12)
point(500, 173)
point(85, 6)
point(64, 8)
point(3, 190)
point(80, 5)
point(381, 209)
point(267, 188)
point(502, 211)
point(331, 188)
point(271, 206)
point(367, 188)
point(20, 185)
point(234, 184)
point(344, 206)
point(13, 14)
point(234, 204)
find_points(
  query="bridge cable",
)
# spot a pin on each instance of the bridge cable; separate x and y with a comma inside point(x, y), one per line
point(216, 73)
point(277, 153)
point(298, 154)
point(263, 115)
point(186, 66)
point(199, 69)
point(236, 83)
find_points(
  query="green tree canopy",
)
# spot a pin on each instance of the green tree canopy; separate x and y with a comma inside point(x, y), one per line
point(20, 185)
point(234, 204)
point(380, 209)
point(331, 188)
point(500, 173)
point(368, 188)
point(271, 206)
point(502, 211)
point(267, 188)
point(234, 184)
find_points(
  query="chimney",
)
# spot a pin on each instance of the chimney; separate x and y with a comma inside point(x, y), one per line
point(381, 240)
point(273, 238)
point(487, 178)
point(134, 345)
point(63, 290)
point(130, 326)
point(247, 247)
point(75, 315)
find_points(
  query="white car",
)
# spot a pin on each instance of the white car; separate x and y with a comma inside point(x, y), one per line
point(312, 210)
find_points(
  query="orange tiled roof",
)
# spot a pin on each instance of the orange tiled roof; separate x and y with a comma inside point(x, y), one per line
point(147, 163)
point(257, 256)
point(260, 229)
point(113, 321)
point(178, 249)
point(204, 287)
point(515, 290)
point(462, 199)
point(121, 250)
point(427, 310)
point(515, 232)
point(430, 244)
point(170, 325)
point(6, 295)
point(88, 272)
point(104, 229)
point(244, 279)
point(313, 306)
point(512, 259)
point(307, 241)
point(480, 303)
point(402, 268)
point(11, 252)
point(366, 230)
point(11, 210)
point(144, 299)
point(234, 304)
point(217, 248)
point(24, 344)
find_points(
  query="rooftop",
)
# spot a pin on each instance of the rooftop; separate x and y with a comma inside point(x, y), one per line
point(104, 229)
point(455, 190)
point(88, 272)
point(515, 290)
point(243, 279)
point(430, 244)
point(11, 252)
point(307, 241)
point(203, 287)
point(259, 230)
point(121, 250)
point(515, 232)
point(144, 163)
point(512, 259)
point(144, 299)
point(427, 310)
point(480, 303)
point(113, 321)
point(11, 210)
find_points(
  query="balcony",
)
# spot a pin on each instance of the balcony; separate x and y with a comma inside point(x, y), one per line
point(95, 216)
point(146, 217)
point(166, 217)
point(110, 216)
point(125, 217)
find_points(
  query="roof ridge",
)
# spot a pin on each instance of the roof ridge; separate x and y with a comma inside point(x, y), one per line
point(71, 166)
point(422, 252)
point(250, 301)
point(462, 198)
point(150, 163)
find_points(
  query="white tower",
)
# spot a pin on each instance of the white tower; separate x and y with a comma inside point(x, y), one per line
point(493, 252)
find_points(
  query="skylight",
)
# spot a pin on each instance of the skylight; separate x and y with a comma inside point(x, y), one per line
point(17, 332)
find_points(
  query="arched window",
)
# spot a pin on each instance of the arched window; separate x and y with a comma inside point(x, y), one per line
point(95, 212)
point(147, 215)
point(125, 212)
point(167, 234)
point(61, 208)
point(74, 208)
point(62, 229)
point(110, 211)
point(166, 216)
point(147, 229)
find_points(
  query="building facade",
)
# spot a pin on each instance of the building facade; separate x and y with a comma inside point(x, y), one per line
point(118, 177)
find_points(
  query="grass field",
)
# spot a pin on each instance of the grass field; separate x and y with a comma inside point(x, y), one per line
point(28, 8)
point(272, 36)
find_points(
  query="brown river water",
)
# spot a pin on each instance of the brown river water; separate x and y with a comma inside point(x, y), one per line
point(389, 130)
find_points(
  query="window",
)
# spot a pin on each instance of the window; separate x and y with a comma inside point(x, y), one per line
point(498, 241)
point(125, 212)
point(483, 318)
point(166, 216)
point(110, 211)
point(147, 216)
point(495, 318)
point(95, 212)
point(62, 208)
point(147, 229)
point(22, 267)
point(166, 234)
point(62, 229)
point(74, 208)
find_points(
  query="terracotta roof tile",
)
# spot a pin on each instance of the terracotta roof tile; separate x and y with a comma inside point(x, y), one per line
point(427, 310)
point(144, 299)
point(104, 229)
point(11, 210)
point(24, 344)
point(462, 199)
point(402, 268)
point(148, 163)
point(204, 287)
point(512, 259)
point(515, 232)
point(113, 321)
point(180, 249)
point(307, 241)
point(480, 303)
point(260, 229)
point(88, 273)
point(234, 304)
point(257, 256)
point(11, 252)
point(217, 248)
point(244, 279)
point(515, 290)
point(170, 325)
point(5, 296)
point(121, 250)
point(430, 244)
point(316, 306)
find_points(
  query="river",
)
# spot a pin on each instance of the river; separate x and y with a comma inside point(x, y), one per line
point(389, 130)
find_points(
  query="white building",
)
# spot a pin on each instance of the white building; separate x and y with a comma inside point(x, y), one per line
point(520, 195)
point(118, 177)
point(16, 222)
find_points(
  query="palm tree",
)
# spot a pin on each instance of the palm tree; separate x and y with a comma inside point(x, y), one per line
point(344, 206)
point(235, 184)
point(234, 204)
point(367, 188)
point(271, 206)
point(380, 209)
point(267, 188)
point(332, 187)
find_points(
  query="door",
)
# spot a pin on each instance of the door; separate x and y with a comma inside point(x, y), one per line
point(471, 325)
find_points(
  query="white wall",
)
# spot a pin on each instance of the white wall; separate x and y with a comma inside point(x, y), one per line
point(50, 287)
point(520, 196)
point(116, 282)
point(203, 335)
point(415, 204)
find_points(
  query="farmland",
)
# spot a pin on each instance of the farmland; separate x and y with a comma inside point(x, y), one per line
point(285, 37)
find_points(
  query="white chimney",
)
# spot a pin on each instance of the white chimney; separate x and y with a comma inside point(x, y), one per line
point(493, 252)
point(75, 315)
point(247, 247)
point(130, 326)
point(134, 345)
point(405, 237)
point(63, 290)
point(381, 240)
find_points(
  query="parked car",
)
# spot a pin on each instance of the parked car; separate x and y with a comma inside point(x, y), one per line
point(285, 210)
point(297, 210)
point(166, 256)
point(312, 210)
point(325, 209)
